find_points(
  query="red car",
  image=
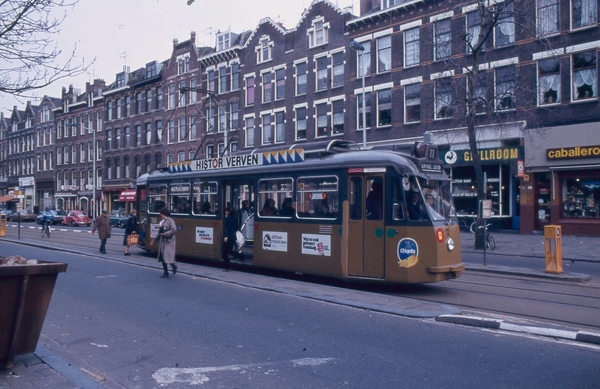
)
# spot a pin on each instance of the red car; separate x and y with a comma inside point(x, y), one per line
point(77, 218)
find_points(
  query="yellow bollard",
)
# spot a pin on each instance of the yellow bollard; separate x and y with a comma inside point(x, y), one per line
point(3, 225)
point(553, 245)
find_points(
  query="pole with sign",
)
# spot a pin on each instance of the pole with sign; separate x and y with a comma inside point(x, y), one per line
point(485, 212)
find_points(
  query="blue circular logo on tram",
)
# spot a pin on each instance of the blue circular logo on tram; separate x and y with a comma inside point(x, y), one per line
point(408, 252)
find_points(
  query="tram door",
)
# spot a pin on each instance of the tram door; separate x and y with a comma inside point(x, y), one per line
point(366, 243)
point(236, 193)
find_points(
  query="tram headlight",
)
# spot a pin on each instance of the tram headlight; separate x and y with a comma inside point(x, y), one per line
point(450, 244)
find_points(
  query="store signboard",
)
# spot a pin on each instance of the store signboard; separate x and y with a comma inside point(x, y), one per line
point(573, 152)
point(487, 156)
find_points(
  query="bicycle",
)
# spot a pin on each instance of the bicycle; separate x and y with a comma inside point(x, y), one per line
point(489, 239)
point(46, 230)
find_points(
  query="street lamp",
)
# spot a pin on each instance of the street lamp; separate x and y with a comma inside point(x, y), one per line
point(358, 47)
point(93, 215)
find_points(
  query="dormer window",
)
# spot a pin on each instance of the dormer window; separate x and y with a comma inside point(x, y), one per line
point(223, 41)
point(121, 80)
point(151, 70)
point(264, 50)
point(390, 3)
point(183, 64)
point(319, 33)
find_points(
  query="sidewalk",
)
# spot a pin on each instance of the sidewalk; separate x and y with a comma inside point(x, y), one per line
point(44, 369)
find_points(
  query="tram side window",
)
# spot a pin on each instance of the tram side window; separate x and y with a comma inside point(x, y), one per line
point(397, 200)
point(179, 198)
point(157, 197)
point(374, 201)
point(356, 198)
point(275, 197)
point(205, 198)
point(318, 197)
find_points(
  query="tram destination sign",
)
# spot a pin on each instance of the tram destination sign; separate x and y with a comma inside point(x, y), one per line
point(239, 161)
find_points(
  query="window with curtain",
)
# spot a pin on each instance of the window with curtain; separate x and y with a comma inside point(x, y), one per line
point(481, 93)
point(322, 120)
point(338, 117)
point(250, 132)
point(337, 60)
point(547, 17)
point(280, 126)
point(411, 47)
point(473, 29)
point(321, 73)
point(584, 12)
point(585, 75)
point(301, 78)
point(267, 129)
point(267, 79)
point(549, 81)
point(384, 54)
point(301, 123)
point(364, 60)
point(505, 28)
point(359, 110)
point(442, 39)
point(249, 91)
point(505, 88)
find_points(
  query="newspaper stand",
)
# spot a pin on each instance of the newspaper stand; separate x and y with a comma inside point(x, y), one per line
point(553, 245)
point(26, 291)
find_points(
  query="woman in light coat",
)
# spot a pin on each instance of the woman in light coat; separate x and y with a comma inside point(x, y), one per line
point(166, 242)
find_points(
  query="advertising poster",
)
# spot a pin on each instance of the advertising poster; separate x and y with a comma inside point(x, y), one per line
point(204, 235)
point(316, 244)
point(274, 241)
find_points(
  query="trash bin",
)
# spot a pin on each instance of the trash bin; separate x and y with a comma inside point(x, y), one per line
point(553, 246)
point(25, 292)
point(3, 218)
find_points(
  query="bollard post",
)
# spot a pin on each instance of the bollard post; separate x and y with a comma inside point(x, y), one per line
point(3, 225)
point(553, 246)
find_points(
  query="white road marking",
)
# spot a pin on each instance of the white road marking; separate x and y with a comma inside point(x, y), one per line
point(199, 375)
point(99, 345)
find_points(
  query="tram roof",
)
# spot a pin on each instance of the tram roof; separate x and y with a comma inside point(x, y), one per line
point(315, 159)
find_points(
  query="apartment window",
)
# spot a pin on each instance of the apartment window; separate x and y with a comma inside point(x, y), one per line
point(183, 65)
point(235, 112)
point(138, 103)
point(364, 60)
point(83, 152)
point(301, 123)
point(443, 48)
point(151, 70)
point(235, 76)
point(263, 50)
point(172, 131)
point(120, 80)
point(549, 81)
point(411, 47)
point(148, 133)
point(337, 69)
point(250, 132)
point(210, 118)
point(280, 84)
point(338, 117)
point(109, 140)
point(127, 166)
point(117, 168)
point(127, 106)
point(192, 134)
point(443, 98)
point(223, 41)
point(210, 79)
point(74, 151)
point(384, 54)
point(210, 151)
point(223, 79)
point(267, 80)
point(138, 168)
point(267, 129)
point(109, 110)
point(280, 127)
point(157, 160)
point(584, 13)
point(171, 96)
point(473, 29)
point(319, 33)
point(322, 120)
point(321, 73)
point(119, 108)
point(148, 100)
point(585, 75)
point(505, 88)
point(159, 96)
point(547, 17)
point(127, 139)
point(481, 93)
point(193, 92)
point(182, 94)
point(222, 118)
point(359, 110)
point(505, 28)
point(159, 131)
point(250, 91)
point(301, 78)
point(147, 163)
point(384, 107)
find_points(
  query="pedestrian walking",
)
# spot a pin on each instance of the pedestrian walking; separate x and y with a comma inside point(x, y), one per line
point(130, 228)
point(231, 229)
point(102, 224)
point(166, 242)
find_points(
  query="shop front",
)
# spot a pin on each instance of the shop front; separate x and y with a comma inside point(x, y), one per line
point(500, 167)
point(562, 178)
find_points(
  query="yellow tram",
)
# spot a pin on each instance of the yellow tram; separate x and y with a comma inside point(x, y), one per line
point(326, 209)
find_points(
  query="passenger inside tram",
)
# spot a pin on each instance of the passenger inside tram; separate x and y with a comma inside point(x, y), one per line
point(269, 208)
point(288, 207)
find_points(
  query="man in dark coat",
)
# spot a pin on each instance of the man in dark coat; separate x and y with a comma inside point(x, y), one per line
point(102, 224)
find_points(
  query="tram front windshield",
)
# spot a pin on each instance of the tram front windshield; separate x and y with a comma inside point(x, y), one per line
point(438, 198)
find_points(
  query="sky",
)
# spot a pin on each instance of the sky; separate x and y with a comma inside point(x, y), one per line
point(119, 33)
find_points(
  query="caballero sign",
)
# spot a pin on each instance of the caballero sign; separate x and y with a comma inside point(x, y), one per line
point(573, 152)
point(489, 155)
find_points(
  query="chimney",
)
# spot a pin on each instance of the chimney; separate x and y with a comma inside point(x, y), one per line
point(175, 42)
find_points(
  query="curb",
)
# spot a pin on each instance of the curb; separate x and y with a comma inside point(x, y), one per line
point(515, 271)
point(579, 336)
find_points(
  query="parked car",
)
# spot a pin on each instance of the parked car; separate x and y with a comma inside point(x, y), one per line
point(6, 212)
point(26, 216)
point(57, 217)
point(117, 218)
point(77, 218)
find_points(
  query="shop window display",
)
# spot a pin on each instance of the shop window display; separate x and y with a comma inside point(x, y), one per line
point(581, 197)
